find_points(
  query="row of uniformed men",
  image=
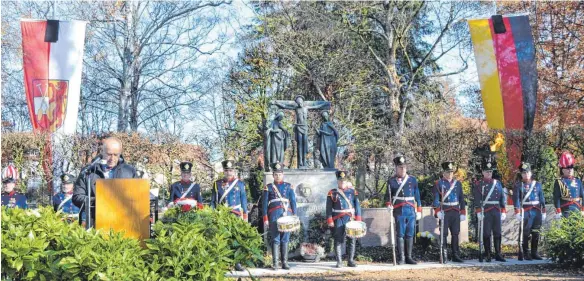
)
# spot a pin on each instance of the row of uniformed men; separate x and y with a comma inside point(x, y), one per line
point(403, 201)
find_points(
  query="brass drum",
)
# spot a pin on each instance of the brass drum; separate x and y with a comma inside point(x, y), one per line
point(288, 224)
point(356, 229)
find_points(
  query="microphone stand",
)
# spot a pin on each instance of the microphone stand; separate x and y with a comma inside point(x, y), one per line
point(88, 222)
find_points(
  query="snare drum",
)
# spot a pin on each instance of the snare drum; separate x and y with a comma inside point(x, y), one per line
point(288, 224)
point(356, 229)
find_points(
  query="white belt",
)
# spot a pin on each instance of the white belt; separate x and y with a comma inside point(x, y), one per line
point(531, 203)
point(491, 202)
point(344, 211)
point(278, 200)
point(405, 198)
point(450, 203)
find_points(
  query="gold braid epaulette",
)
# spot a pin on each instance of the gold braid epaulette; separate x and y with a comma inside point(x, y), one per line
point(564, 191)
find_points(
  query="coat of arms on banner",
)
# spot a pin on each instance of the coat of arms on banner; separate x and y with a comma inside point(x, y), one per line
point(50, 102)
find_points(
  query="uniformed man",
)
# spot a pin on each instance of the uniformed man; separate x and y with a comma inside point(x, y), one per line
point(230, 192)
point(450, 207)
point(342, 206)
point(490, 203)
point(62, 200)
point(568, 190)
point(10, 197)
point(185, 189)
point(403, 197)
point(528, 194)
point(279, 200)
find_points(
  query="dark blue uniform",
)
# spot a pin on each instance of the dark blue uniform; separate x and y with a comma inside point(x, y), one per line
point(533, 205)
point(533, 208)
point(236, 199)
point(453, 206)
point(63, 202)
point(274, 208)
point(407, 203)
point(494, 206)
point(178, 188)
point(339, 212)
point(14, 200)
point(568, 196)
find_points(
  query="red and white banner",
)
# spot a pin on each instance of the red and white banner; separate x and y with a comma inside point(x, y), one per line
point(53, 57)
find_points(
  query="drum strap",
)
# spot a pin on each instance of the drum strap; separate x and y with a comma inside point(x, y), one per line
point(351, 210)
point(282, 199)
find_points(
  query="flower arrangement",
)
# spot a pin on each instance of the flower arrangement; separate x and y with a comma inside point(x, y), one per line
point(311, 251)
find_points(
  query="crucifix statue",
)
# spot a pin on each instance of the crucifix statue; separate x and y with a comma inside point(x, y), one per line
point(301, 127)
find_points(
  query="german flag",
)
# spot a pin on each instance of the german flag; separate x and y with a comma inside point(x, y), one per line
point(505, 59)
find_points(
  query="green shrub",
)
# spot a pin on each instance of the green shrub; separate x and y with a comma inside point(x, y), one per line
point(39, 245)
point(244, 242)
point(565, 241)
point(319, 233)
point(196, 245)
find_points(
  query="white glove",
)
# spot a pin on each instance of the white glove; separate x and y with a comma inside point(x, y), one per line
point(558, 216)
point(480, 216)
point(503, 216)
point(543, 216)
point(518, 217)
point(462, 217)
point(390, 208)
point(418, 215)
point(441, 215)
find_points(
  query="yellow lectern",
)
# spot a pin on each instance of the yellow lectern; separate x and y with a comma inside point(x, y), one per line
point(123, 205)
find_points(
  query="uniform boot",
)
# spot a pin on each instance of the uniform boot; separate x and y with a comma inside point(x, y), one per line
point(455, 249)
point(534, 245)
point(525, 245)
point(352, 244)
point(409, 248)
point(487, 245)
point(339, 255)
point(285, 256)
point(498, 255)
point(400, 251)
point(275, 256)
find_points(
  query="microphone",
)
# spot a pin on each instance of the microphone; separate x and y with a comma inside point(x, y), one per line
point(97, 161)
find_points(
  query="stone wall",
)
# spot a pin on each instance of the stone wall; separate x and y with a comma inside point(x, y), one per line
point(378, 227)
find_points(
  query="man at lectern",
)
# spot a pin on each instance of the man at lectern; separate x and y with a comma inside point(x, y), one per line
point(109, 165)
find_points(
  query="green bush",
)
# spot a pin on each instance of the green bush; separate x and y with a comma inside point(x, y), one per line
point(565, 241)
point(244, 242)
point(196, 245)
point(39, 245)
point(319, 233)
